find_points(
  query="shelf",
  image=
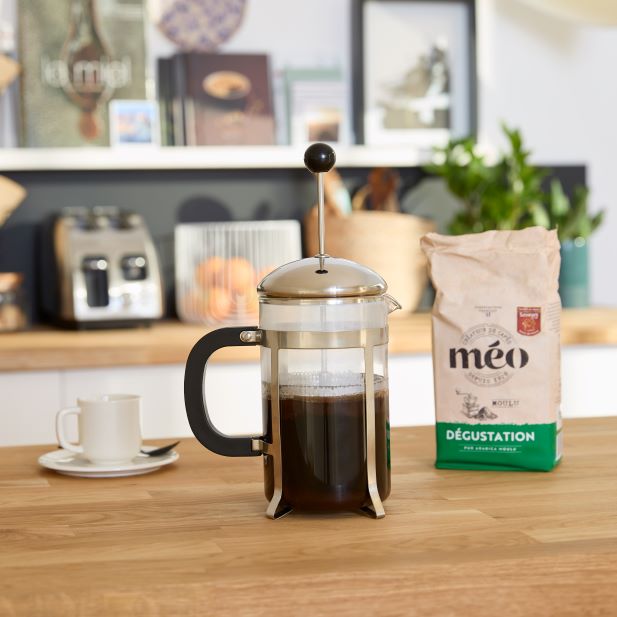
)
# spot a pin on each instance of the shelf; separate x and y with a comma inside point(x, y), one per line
point(206, 157)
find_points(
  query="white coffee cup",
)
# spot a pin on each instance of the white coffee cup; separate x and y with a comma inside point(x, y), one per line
point(109, 428)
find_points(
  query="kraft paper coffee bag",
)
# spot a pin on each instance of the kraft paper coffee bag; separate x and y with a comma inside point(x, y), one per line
point(496, 354)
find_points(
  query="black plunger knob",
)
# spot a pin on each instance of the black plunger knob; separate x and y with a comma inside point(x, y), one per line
point(319, 158)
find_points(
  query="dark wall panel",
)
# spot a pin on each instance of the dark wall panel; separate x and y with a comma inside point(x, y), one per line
point(167, 197)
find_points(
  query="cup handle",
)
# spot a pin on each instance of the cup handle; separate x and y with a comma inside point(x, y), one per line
point(62, 440)
point(194, 399)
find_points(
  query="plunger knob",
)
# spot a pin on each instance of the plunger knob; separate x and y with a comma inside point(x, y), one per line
point(319, 158)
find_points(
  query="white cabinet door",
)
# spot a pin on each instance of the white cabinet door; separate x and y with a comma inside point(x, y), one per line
point(588, 384)
point(412, 401)
point(159, 386)
point(29, 402)
point(589, 381)
point(232, 395)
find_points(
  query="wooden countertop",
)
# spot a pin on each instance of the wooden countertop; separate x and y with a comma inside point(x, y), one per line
point(192, 539)
point(170, 342)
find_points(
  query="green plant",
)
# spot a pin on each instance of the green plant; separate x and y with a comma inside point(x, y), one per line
point(508, 194)
point(570, 216)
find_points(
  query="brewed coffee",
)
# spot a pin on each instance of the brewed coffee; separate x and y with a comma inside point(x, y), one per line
point(323, 446)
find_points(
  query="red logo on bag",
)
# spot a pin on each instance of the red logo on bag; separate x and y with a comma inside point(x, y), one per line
point(528, 320)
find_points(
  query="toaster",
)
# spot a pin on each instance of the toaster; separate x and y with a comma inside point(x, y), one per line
point(99, 268)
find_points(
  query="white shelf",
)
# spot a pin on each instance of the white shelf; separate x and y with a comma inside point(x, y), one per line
point(207, 157)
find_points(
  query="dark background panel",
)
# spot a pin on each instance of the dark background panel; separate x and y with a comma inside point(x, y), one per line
point(164, 198)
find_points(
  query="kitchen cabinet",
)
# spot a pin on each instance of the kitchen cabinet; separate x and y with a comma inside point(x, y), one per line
point(31, 399)
point(43, 370)
point(27, 404)
point(233, 395)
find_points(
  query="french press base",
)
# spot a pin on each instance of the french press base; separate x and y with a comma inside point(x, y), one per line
point(323, 337)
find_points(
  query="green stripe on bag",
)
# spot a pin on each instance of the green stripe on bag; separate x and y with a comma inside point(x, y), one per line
point(514, 447)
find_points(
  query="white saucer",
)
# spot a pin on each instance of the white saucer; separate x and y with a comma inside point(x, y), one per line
point(71, 464)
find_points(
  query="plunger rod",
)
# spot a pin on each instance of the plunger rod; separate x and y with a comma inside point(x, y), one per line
point(320, 158)
point(321, 215)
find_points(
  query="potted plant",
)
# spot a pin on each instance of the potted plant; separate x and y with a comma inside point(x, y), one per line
point(506, 194)
point(510, 194)
point(574, 225)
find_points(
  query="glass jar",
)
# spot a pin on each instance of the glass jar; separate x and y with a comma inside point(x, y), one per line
point(12, 302)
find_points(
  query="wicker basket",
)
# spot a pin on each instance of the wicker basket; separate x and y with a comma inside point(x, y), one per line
point(387, 242)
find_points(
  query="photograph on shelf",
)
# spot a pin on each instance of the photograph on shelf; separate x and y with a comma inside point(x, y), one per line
point(134, 123)
point(221, 99)
point(414, 72)
point(76, 56)
point(317, 106)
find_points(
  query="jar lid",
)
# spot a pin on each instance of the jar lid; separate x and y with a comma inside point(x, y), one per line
point(322, 277)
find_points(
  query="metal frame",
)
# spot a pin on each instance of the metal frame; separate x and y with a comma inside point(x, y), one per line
point(276, 340)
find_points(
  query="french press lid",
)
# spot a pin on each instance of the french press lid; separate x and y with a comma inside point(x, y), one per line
point(321, 276)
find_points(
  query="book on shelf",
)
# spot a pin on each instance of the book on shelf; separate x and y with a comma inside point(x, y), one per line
point(218, 99)
point(164, 93)
point(77, 55)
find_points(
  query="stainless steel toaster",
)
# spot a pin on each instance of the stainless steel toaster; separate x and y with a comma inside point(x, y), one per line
point(100, 269)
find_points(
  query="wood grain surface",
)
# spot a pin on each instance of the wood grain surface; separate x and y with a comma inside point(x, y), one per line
point(192, 540)
point(170, 342)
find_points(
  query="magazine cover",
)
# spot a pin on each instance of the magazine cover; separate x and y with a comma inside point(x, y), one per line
point(227, 99)
point(77, 55)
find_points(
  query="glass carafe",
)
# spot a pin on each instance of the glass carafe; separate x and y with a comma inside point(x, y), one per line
point(328, 388)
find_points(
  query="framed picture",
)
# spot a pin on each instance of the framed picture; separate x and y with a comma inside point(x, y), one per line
point(75, 57)
point(134, 123)
point(414, 71)
point(316, 106)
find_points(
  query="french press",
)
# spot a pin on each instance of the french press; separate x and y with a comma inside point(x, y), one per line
point(323, 336)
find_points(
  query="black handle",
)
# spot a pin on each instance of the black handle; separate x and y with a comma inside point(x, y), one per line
point(194, 399)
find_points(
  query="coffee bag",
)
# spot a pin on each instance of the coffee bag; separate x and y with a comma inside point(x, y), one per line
point(496, 353)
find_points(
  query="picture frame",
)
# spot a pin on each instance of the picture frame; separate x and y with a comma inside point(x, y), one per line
point(61, 105)
point(414, 71)
point(134, 123)
point(317, 106)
